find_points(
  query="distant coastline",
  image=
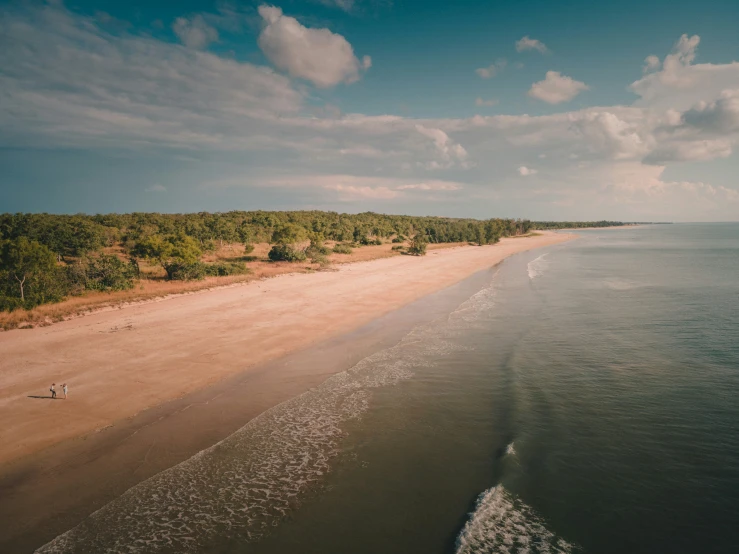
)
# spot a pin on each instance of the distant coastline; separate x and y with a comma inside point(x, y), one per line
point(56, 267)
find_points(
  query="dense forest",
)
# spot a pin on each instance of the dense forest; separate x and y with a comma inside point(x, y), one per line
point(45, 258)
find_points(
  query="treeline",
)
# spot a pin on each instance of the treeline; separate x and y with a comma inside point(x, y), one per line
point(575, 224)
point(44, 257)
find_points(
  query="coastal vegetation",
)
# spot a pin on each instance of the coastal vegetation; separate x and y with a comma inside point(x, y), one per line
point(45, 258)
point(418, 245)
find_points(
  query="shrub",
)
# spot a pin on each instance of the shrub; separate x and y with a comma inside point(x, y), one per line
point(286, 253)
point(418, 245)
point(320, 259)
point(315, 250)
point(109, 273)
point(178, 270)
point(179, 255)
point(248, 248)
point(399, 238)
point(342, 249)
point(398, 247)
point(227, 268)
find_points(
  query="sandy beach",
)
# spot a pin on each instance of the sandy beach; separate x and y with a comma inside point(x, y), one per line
point(120, 362)
point(151, 384)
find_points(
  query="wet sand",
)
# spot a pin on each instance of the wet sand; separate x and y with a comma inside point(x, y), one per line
point(203, 365)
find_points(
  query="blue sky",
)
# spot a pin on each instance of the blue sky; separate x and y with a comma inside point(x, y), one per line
point(566, 110)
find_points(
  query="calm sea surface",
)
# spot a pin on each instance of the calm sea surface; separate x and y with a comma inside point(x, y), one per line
point(586, 400)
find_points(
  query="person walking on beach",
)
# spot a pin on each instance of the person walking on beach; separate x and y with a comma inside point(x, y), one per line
point(65, 389)
point(53, 390)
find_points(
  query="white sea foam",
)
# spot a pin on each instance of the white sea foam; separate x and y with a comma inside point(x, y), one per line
point(510, 450)
point(502, 524)
point(537, 266)
point(248, 482)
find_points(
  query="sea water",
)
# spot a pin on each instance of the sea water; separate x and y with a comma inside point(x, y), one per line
point(585, 400)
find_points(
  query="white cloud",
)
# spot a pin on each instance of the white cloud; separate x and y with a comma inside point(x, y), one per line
point(556, 88)
point(353, 187)
point(491, 70)
point(66, 81)
point(526, 171)
point(485, 103)
point(721, 115)
point(690, 151)
point(317, 55)
point(195, 32)
point(651, 63)
point(354, 192)
point(527, 43)
point(449, 152)
point(156, 188)
point(680, 84)
point(619, 139)
point(431, 185)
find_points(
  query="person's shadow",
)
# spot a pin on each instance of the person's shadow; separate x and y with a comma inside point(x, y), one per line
point(44, 397)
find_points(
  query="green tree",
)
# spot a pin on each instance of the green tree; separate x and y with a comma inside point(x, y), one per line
point(179, 255)
point(418, 245)
point(32, 268)
point(289, 234)
point(108, 272)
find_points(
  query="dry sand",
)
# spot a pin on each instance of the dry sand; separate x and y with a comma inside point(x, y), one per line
point(118, 363)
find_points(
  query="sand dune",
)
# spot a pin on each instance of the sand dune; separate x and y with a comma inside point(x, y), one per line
point(120, 362)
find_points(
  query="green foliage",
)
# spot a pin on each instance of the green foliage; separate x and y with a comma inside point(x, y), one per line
point(64, 235)
point(398, 247)
point(321, 259)
point(29, 274)
point(418, 245)
point(316, 250)
point(289, 234)
point(177, 241)
point(109, 273)
point(227, 268)
point(179, 270)
point(572, 224)
point(179, 255)
point(286, 253)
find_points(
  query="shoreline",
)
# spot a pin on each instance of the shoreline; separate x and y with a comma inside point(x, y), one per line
point(42, 485)
point(42, 494)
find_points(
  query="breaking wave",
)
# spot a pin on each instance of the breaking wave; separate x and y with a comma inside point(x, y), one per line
point(502, 524)
point(536, 267)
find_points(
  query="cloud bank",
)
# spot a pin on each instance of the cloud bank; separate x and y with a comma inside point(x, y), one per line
point(67, 83)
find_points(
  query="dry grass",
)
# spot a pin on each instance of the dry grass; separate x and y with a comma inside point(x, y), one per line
point(153, 284)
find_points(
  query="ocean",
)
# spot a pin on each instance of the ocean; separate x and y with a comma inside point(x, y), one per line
point(584, 399)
